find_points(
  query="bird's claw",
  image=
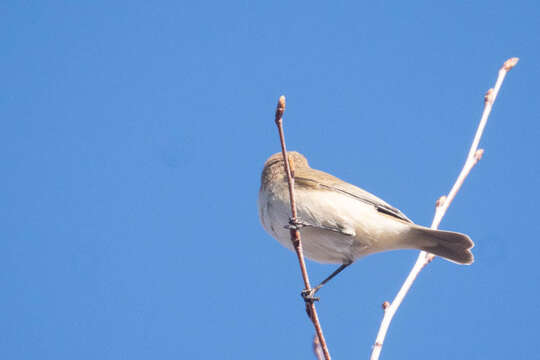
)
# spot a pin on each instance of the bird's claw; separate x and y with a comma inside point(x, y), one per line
point(295, 224)
point(307, 295)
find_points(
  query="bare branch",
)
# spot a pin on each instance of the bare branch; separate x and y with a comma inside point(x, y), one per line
point(295, 233)
point(442, 205)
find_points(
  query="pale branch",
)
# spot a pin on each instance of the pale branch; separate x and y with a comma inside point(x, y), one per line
point(442, 205)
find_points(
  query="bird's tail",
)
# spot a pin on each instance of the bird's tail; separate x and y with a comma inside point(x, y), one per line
point(452, 246)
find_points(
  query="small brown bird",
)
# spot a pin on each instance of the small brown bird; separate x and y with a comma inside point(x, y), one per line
point(343, 222)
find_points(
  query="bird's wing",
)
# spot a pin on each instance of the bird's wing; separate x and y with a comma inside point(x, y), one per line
point(332, 183)
point(316, 208)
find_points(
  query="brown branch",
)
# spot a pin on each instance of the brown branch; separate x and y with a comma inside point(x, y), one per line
point(295, 233)
point(442, 205)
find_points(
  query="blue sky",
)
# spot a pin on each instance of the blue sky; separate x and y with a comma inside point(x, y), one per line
point(133, 136)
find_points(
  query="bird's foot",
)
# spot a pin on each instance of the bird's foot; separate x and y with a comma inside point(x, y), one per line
point(295, 224)
point(308, 294)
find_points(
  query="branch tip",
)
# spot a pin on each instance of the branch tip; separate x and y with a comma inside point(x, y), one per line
point(440, 201)
point(510, 63)
point(281, 101)
point(478, 154)
point(488, 98)
point(280, 109)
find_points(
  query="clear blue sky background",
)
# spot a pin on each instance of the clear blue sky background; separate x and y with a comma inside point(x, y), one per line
point(133, 136)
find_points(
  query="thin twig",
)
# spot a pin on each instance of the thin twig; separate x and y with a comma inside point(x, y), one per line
point(295, 233)
point(442, 205)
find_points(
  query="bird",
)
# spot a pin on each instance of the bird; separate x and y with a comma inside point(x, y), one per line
point(341, 222)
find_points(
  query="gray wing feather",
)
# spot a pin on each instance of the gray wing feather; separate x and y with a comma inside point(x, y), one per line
point(362, 195)
point(371, 199)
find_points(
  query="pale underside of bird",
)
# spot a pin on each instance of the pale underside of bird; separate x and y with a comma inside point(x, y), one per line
point(343, 222)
